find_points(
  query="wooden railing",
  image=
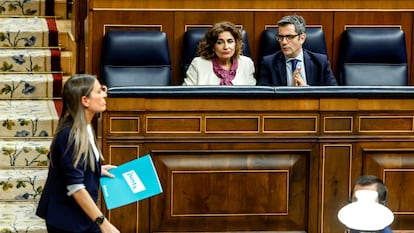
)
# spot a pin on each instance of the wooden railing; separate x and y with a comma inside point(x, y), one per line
point(260, 159)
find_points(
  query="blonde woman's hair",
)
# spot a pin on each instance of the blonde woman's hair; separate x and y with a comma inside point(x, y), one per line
point(73, 111)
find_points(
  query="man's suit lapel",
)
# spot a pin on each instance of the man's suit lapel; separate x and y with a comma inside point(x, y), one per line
point(281, 69)
point(309, 68)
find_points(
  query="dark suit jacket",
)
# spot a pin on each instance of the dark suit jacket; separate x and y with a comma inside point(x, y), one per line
point(385, 230)
point(317, 67)
point(55, 206)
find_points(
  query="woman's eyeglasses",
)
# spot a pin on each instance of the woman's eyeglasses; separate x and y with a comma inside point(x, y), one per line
point(104, 89)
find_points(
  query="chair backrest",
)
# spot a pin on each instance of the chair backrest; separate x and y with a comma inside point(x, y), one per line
point(189, 48)
point(135, 58)
point(315, 41)
point(372, 56)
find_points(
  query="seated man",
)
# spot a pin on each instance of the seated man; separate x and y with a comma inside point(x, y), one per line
point(370, 182)
point(293, 65)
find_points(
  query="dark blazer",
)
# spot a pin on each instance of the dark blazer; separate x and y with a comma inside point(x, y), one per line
point(55, 206)
point(385, 230)
point(317, 67)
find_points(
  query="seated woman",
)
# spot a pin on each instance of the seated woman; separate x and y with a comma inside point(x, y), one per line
point(220, 61)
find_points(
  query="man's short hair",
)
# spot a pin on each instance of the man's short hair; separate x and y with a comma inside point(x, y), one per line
point(382, 190)
point(297, 20)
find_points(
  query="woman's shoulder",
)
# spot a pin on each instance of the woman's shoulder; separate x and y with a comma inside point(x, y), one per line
point(63, 134)
point(200, 60)
point(245, 59)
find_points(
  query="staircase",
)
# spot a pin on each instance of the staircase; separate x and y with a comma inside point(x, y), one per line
point(35, 59)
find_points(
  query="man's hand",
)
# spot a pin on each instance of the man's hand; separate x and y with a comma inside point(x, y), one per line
point(297, 78)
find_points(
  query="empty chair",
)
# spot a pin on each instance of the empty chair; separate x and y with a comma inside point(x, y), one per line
point(190, 46)
point(373, 57)
point(135, 58)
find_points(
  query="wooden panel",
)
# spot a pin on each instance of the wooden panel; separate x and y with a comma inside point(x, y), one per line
point(396, 167)
point(119, 154)
point(313, 169)
point(338, 124)
point(229, 191)
point(336, 172)
point(257, 4)
point(366, 104)
point(236, 106)
point(382, 124)
point(232, 124)
point(220, 190)
point(410, 53)
point(173, 124)
point(132, 27)
point(290, 124)
point(124, 125)
point(118, 216)
point(79, 33)
point(395, 180)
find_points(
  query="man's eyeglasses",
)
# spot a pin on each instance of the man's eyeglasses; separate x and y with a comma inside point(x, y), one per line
point(288, 37)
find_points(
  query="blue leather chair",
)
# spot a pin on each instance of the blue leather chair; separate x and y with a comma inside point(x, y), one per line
point(189, 48)
point(315, 42)
point(135, 58)
point(373, 57)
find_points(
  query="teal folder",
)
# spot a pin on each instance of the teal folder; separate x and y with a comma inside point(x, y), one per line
point(134, 181)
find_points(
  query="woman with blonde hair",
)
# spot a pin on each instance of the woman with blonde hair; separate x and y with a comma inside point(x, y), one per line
point(68, 201)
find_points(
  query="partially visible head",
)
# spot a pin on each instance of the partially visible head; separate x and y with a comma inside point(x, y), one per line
point(291, 34)
point(223, 36)
point(370, 182)
point(82, 94)
point(296, 20)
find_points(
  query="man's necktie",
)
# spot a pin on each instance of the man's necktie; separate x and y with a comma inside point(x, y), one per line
point(294, 62)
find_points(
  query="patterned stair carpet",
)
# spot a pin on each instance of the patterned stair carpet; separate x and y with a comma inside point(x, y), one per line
point(16, 8)
point(28, 118)
point(23, 153)
point(30, 85)
point(19, 217)
point(22, 184)
point(28, 32)
point(29, 60)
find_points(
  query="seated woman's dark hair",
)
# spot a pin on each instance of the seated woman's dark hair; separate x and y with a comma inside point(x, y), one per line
point(206, 46)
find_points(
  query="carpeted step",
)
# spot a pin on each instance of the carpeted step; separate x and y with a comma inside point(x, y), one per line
point(30, 86)
point(28, 118)
point(22, 184)
point(29, 60)
point(28, 32)
point(27, 8)
point(21, 153)
point(20, 217)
